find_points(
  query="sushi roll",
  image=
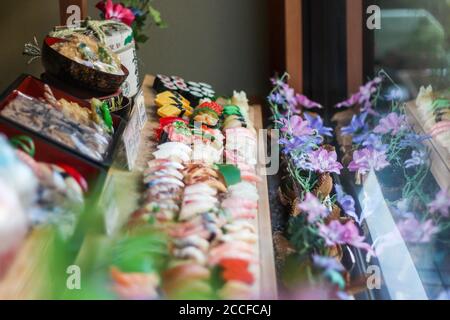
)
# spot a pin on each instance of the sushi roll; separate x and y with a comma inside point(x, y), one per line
point(193, 84)
point(205, 86)
point(177, 79)
point(161, 83)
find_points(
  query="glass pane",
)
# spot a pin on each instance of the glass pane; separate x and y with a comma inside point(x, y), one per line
point(413, 43)
point(412, 46)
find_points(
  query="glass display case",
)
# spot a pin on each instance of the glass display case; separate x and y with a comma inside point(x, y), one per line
point(391, 131)
point(412, 47)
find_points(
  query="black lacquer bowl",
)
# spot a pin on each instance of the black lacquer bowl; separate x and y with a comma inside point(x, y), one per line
point(76, 73)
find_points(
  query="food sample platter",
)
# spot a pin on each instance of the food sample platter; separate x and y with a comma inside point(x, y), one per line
point(266, 276)
point(440, 157)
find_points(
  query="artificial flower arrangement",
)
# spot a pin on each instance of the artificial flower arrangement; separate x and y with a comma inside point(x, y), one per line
point(322, 219)
point(134, 13)
point(374, 135)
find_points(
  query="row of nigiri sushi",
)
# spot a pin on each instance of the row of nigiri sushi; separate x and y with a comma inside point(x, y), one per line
point(202, 237)
point(211, 225)
point(242, 203)
point(205, 238)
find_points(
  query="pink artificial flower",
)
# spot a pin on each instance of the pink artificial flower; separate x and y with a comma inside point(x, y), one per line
point(314, 208)
point(414, 231)
point(296, 126)
point(337, 233)
point(289, 94)
point(306, 102)
point(363, 96)
point(323, 161)
point(441, 204)
point(392, 123)
point(366, 159)
point(116, 11)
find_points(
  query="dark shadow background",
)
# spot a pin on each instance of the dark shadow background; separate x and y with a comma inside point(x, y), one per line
point(223, 42)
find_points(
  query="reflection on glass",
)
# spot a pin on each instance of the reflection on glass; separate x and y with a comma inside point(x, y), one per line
point(413, 43)
point(401, 277)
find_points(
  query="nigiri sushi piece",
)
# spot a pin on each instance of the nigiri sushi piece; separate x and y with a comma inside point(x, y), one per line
point(178, 155)
point(192, 253)
point(200, 188)
point(206, 154)
point(192, 241)
point(164, 171)
point(233, 246)
point(243, 236)
point(240, 225)
point(189, 270)
point(200, 198)
point(165, 163)
point(215, 258)
point(175, 146)
point(245, 190)
point(165, 181)
point(232, 203)
point(195, 208)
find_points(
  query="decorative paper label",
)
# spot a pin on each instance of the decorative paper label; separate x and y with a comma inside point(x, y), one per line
point(140, 106)
point(132, 137)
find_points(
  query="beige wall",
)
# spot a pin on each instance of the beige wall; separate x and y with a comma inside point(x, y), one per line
point(224, 42)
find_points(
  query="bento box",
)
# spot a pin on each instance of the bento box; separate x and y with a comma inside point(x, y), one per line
point(26, 104)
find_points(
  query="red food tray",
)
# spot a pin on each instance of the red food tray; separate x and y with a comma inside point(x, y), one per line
point(34, 87)
point(51, 153)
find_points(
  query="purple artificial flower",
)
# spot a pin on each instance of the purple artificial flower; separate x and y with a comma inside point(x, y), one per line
point(374, 141)
point(337, 233)
point(441, 204)
point(418, 158)
point(276, 98)
point(296, 126)
point(290, 145)
point(314, 208)
point(302, 144)
point(363, 96)
point(392, 123)
point(413, 140)
point(301, 161)
point(316, 123)
point(366, 159)
point(358, 128)
point(324, 161)
point(347, 203)
point(328, 264)
point(306, 102)
point(414, 231)
point(289, 95)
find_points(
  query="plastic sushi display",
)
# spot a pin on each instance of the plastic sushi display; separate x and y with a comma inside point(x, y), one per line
point(206, 209)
